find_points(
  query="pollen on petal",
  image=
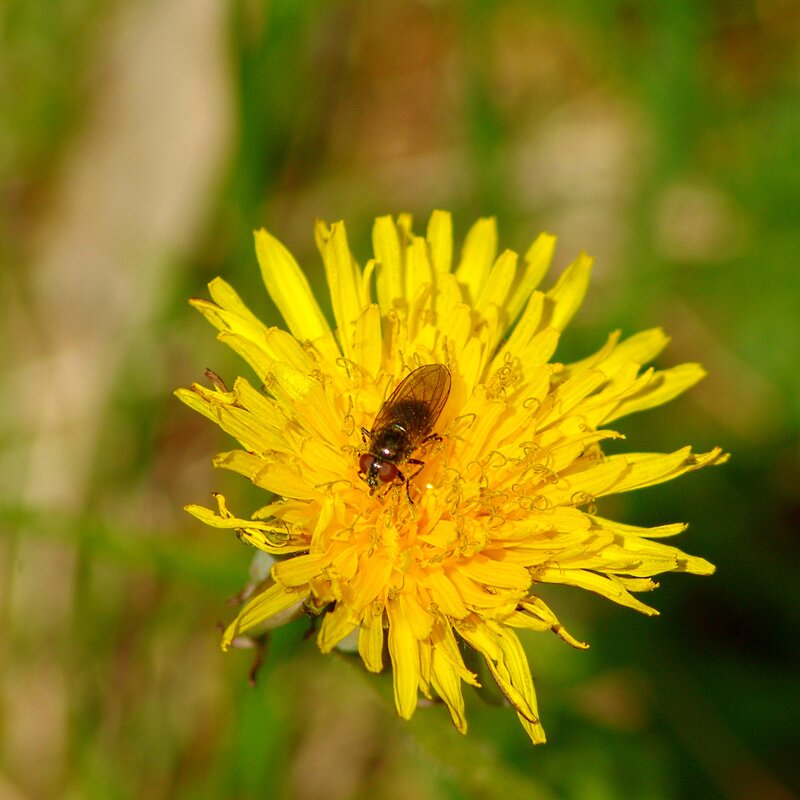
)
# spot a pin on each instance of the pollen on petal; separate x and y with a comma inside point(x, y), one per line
point(344, 279)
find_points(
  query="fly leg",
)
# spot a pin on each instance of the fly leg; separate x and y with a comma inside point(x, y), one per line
point(403, 480)
point(386, 489)
point(406, 480)
point(393, 485)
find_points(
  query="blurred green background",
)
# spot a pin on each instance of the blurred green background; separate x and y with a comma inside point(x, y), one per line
point(140, 144)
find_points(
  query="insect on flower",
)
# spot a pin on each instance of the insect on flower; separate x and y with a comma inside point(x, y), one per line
point(511, 510)
point(404, 422)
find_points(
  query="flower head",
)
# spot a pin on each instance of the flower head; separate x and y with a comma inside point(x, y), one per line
point(501, 497)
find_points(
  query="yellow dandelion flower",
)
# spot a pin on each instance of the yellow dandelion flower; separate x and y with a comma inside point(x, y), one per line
point(502, 474)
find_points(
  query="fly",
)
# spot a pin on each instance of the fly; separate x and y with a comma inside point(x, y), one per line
point(404, 422)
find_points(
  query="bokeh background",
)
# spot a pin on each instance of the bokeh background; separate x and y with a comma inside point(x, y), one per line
point(141, 143)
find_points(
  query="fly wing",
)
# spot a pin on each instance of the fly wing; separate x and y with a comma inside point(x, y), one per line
point(417, 401)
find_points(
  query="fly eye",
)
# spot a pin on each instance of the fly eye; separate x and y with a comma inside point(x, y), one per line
point(365, 462)
point(387, 471)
